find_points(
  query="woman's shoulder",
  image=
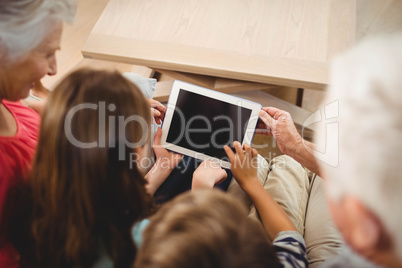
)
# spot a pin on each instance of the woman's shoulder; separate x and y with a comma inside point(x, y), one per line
point(23, 144)
point(18, 151)
point(27, 119)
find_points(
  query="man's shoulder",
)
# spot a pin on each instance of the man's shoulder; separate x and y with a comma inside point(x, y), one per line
point(348, 259)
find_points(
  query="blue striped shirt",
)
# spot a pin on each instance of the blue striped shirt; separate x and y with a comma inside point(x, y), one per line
point(290, 249)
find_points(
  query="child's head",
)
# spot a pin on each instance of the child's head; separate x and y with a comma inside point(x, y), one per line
point(87, 189)
point(205, 228)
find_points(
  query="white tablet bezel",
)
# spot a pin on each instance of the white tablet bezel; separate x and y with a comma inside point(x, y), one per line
point(177, 85)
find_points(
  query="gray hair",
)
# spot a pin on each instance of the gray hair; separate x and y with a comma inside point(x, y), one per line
point(367, 81)
point(24, 23)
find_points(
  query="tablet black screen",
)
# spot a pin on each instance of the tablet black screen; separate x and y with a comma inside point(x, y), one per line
point(205, 124)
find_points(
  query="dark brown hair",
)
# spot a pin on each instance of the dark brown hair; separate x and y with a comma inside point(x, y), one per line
point(203, 229)
point(86, 199)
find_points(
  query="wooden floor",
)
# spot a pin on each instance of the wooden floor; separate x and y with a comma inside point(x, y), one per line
point(373, 17)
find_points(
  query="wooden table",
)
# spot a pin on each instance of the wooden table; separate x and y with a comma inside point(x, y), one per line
point(215, 43)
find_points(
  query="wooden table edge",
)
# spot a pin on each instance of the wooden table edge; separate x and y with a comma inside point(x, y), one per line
point(173, 57)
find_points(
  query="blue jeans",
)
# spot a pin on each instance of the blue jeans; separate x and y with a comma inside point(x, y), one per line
point(181, 178)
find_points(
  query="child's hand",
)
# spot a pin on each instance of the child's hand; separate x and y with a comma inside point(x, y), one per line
point(164, 158)
point(158, 110)
point(244, 164)
point(165, 162)
point(207, 175)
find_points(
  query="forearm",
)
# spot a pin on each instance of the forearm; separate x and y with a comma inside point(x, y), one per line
point(155, 177)
point(303, 153)
point(273, 217)
point(207, 175)
point(202, 183)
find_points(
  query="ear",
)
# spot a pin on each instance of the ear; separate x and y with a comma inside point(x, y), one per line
point(364, 228)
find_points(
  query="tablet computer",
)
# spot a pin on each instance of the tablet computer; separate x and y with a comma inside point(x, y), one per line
point(199, 122)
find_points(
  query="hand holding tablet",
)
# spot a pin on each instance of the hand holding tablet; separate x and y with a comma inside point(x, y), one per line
point(199, 122)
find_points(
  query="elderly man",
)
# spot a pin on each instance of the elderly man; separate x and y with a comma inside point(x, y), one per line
point(364, 188)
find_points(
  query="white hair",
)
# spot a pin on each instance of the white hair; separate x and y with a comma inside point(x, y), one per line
point(25, 23)
point(367, 81)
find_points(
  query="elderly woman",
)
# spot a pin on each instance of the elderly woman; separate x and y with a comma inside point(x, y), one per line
point(364, 190)
point(30, 33)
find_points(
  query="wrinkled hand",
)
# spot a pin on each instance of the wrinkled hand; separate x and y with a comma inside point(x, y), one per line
point(207, 175)
point(244, 164)
point(157, 110)
point(280, 125)
point(164, 158)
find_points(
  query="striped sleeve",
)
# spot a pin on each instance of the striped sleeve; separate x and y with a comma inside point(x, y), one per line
point(290, 249)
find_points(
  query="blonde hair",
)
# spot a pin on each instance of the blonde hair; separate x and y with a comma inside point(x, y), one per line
point(24, 23)
point(205, 228)
point(367, 82)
